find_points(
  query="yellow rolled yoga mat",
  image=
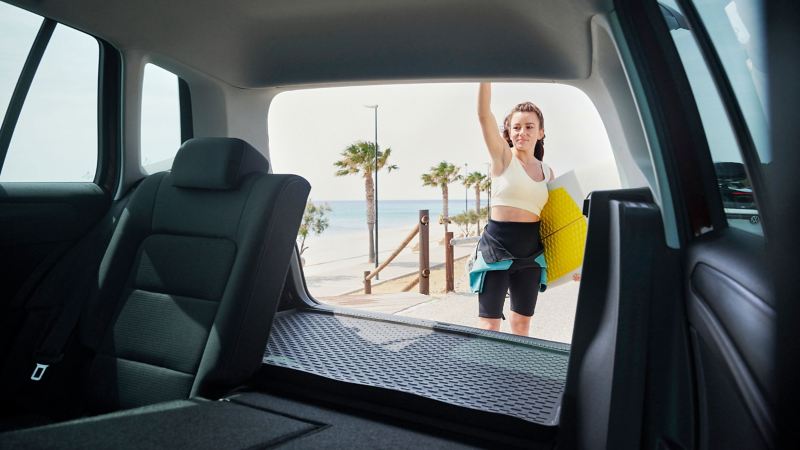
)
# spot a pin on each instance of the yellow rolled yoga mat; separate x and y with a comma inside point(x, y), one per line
point(563, 229)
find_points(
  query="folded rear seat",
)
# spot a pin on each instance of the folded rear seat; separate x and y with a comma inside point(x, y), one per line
point(185, 293)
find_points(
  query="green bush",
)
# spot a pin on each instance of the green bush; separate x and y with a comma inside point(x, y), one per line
point(315, 221)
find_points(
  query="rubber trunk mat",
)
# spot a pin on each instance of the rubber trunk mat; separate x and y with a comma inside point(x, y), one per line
point(520, 377)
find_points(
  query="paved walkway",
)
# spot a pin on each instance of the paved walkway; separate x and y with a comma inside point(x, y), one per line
point(553, 320)
point(345, 276)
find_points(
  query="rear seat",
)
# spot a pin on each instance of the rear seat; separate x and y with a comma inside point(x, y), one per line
point(183, 299)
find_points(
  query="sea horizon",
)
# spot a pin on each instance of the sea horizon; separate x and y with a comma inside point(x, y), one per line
point(350, 215)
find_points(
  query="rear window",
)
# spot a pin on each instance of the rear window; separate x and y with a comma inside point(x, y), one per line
point(421, 127)
point(161, 125)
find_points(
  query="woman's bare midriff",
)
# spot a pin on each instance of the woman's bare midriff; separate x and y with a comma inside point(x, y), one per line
point(511, 214)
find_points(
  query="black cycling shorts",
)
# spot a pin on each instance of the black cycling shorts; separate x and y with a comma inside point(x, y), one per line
point(521, 239)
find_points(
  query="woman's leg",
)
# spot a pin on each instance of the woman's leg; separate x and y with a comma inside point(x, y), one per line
point(490, 301)
point(524, 286)
point(520, 325)
point(489, 324)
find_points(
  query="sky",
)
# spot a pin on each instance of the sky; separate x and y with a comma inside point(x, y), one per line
point(423, 124)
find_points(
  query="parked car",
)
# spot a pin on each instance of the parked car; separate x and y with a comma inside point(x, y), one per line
point(733, 184)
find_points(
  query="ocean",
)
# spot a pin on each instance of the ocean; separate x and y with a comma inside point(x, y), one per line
point(349, 216)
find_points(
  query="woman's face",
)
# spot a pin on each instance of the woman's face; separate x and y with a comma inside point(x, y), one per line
point(524, 130)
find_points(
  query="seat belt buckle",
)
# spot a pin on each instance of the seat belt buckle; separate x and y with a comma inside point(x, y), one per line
point(38, 372)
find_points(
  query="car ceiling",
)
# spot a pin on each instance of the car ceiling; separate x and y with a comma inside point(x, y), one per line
point(261, 43)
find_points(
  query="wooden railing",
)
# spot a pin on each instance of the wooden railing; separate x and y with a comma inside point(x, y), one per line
point(421, 228)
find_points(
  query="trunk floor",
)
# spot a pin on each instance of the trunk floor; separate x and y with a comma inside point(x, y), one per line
point(482, 370)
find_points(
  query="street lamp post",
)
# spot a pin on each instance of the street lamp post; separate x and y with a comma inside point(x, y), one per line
point(375, 108)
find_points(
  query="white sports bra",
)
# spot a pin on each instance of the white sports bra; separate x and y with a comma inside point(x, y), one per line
point(514, 187)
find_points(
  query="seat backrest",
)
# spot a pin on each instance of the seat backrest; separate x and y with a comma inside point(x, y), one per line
point(190, 281)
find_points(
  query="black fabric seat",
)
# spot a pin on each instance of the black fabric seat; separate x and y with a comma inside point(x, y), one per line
point(183, 299)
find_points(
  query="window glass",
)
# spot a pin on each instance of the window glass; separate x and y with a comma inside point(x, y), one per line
point(420, 126)
point(734, 185)
point(18, 29)
point(737, 32)
point(161, 121)
point(56, 135)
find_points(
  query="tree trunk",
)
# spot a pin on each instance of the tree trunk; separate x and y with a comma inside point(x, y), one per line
point(445, 213)
point(370, 191)
point(478, 207)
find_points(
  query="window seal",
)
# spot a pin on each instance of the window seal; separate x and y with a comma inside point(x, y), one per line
point(23, 85)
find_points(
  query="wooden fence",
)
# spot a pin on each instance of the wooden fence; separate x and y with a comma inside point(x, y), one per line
point(422, 229)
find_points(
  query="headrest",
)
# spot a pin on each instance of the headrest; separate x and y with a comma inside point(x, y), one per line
point(215, 163)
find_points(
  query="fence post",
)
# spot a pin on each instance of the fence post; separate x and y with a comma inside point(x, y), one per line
point(448, 263)
point(367, 283)
point(424, 257)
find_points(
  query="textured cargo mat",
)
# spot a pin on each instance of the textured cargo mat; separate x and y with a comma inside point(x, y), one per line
point(519, 377)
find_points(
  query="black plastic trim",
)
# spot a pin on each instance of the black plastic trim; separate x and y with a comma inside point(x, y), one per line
point(707, 323)
point(187, 120)
point(617, 374)
point(731, 307)
point(783, 185)
point(23, 85)
point(109, 117)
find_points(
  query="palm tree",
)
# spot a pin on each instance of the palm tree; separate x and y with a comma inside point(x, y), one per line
point(359, 159)
point(441, 176)
point(475, 180)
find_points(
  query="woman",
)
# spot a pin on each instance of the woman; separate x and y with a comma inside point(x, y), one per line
point(510, 254)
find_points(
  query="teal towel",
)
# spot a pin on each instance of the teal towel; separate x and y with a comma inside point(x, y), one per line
point(479, 268)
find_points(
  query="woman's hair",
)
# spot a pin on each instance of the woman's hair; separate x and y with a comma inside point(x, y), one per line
point(538, 150)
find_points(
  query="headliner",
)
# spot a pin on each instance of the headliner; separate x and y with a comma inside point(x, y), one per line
point(260, 43)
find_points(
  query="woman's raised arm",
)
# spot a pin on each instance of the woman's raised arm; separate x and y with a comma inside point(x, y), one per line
point(491, 135)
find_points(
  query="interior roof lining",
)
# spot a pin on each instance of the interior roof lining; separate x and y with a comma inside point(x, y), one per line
point(244, 43)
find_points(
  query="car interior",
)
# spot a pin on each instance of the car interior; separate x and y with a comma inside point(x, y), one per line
point(168, 309)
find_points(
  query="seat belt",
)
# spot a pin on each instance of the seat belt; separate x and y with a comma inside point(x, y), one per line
point(51, 349)
point(13, 315)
